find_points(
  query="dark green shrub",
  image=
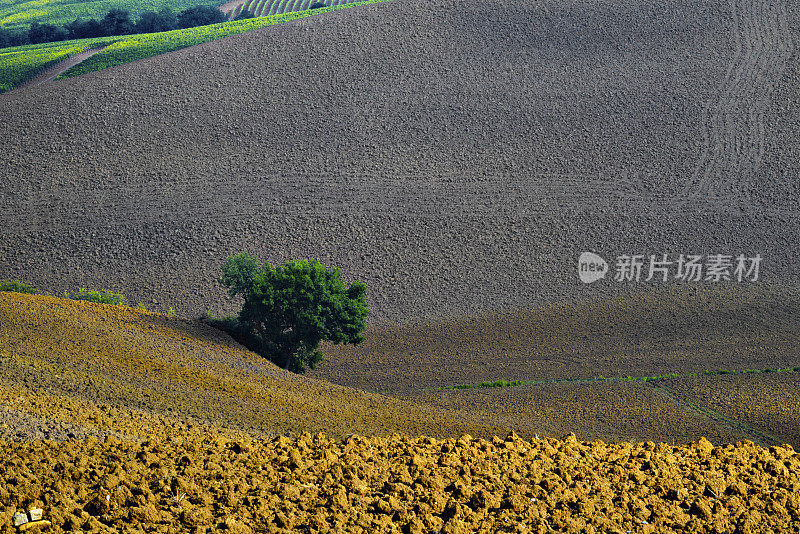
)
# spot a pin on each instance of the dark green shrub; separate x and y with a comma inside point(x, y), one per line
point(101, 296)
point(15, 286)
point(289, 309)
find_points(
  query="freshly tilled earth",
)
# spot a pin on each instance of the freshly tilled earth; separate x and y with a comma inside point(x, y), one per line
point(191, 483)
point(666, 330)
point(114, 419)
point(108, 369)
point(457, 156)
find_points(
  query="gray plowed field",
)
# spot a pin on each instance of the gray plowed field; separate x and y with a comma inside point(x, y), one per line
point(456, 156)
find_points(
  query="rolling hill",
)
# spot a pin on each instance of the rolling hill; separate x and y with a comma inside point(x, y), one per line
point(458, 157)
point(63, 358)
point(114, 419)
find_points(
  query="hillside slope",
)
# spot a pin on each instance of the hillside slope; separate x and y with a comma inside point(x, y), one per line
point(80, 368)
point(456, 156)
point(666, 365)
point(182, 412)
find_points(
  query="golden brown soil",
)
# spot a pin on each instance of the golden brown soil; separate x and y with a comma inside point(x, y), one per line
point(769, 402)
point(194, 483)
point(176, 427)
point(670, 330)
point(619, 411)
point(136, 360)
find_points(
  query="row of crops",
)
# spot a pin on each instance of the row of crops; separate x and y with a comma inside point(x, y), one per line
point(21, 63)
point(18, 64)
point(263, 8)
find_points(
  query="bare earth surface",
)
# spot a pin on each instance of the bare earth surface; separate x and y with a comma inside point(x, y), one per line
point(119, 420)
point(134, 360)
point(456, 156)
point(195, 483)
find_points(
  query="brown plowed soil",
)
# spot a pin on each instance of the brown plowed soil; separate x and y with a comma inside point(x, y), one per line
point(195, 483)
point(613, 411)
point(457, 156)
point(114, 419)
point(656, 333)
point(769, 402)
point(649, 333)
point(162, 367)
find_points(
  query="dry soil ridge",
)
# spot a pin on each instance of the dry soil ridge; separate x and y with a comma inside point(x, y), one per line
point(188, 483)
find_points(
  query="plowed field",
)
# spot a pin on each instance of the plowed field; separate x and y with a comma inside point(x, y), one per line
point(159, 367)
point(119, 420)
point(457, 156)
point(767, 402)
point(647, 334)
point(400, 484)
point(618, 411)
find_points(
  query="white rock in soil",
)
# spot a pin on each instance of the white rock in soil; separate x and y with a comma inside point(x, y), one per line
point(20, 519)
point(35, 514)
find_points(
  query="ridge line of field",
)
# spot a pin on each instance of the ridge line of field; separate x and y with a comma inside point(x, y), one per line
point(52, 72)
point(759, 437)
point(601, 378)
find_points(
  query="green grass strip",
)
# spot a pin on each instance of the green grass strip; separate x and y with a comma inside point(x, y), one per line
point(601, 378)
point(142, 46)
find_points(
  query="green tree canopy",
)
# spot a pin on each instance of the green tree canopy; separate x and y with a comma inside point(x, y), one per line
point(289, 309)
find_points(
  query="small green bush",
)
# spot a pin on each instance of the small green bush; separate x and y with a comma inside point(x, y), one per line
point(101, 296)
point(16, 286)
point(290, 309)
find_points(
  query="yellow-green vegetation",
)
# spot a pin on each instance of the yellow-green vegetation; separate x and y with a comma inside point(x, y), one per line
point(101, 296)
point(17, 286)
point(18, 64)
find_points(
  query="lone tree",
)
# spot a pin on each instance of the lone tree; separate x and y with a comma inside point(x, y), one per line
point(289, 309)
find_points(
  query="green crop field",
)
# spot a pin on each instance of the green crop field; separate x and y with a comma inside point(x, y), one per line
point(18, 64)
point(16, 14)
